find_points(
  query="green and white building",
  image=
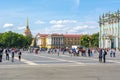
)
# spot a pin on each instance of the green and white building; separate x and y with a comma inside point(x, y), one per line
point(109, 35)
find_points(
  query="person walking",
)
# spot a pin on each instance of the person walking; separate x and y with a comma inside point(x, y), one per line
point(19, 55)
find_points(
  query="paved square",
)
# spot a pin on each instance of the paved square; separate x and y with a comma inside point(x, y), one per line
point(45, 66)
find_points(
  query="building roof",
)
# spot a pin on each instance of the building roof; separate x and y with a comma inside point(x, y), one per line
point(64, 35)
point(56, 34)
point(72, 35)
point(42, 35)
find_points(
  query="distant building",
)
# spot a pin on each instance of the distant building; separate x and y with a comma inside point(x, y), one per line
point(27, 30)
point(109, 35)
point(41, 40)
point(57, 40)
point(71, 39)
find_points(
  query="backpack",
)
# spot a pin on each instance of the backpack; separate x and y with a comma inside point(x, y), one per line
point(19, 53)
point(105, 52)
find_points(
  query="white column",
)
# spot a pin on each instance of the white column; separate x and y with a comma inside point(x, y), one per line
point(109, 43)
point(103, 43)
point(106, 43)
point(116, 42)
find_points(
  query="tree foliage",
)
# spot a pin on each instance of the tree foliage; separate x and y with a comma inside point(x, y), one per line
point(95, 40)
point(90, 40)
point(28, 41)
point(84, 41)
point(12, 39)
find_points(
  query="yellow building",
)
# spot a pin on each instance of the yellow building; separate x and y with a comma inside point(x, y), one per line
point(71, 39)
point(54, 41)
point(49, 41)
point(41, 40)
point(57, 40)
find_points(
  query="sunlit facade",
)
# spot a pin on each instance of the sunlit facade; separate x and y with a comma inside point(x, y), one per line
point(71, 39)
point(57, 40)
point(41, 40)
point(109, 36)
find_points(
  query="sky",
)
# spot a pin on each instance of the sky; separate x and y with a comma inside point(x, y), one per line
point(54, 16)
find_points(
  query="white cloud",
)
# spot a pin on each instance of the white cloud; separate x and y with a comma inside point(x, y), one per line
point(21, 28)
point(89, 23)
point(87, 27)
point(69, 21)
point(62, 21)
point(39, 22)
point(84, 32)
point(7, 25)
point(81, 27)
point(58, 26)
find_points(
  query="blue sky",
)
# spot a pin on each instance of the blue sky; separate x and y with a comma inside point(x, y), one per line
point(54, 16)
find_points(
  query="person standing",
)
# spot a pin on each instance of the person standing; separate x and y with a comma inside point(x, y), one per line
point(58, 51)
point(77, 51)
point(88, 52)
point(1, 54)
point(7, 54)
point(64, 50)
point(114, 52)
point(104, 55)
point(13, 54)
point(100, 55)
point(74, 51)
point(111, 52)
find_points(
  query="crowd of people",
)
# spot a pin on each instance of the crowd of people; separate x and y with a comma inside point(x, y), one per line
point(104, 52)
point(10, 52)
point(85, 52)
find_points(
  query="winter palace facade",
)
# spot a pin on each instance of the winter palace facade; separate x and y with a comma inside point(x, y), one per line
point(109, 35)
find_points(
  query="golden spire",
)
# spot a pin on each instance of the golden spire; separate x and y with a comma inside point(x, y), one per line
point(27, 30)
point(27, 26)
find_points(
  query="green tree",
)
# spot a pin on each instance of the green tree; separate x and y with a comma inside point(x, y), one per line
point(20, 42)
point(34, 44)
point(28, 41)
point(85, 41)
point(95, 40)
point(11, 39)
point(7, 39)
point(0, 38)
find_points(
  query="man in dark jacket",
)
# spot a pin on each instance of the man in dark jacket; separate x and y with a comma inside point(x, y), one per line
point(89, 52)
point(104, 55)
